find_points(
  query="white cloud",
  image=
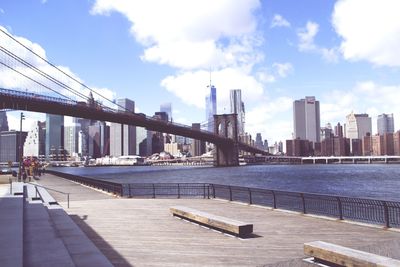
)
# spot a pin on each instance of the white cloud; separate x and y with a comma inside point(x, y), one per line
point(2, 11)
point(191, 88)
point(370, 30)
point(263, 119)
point(190, 34)
point(283, 69)
point(365, 97)
point(279, 21)
point(306, 36)
point(306, 43)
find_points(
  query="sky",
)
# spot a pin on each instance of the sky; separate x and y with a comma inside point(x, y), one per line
point(345, 53)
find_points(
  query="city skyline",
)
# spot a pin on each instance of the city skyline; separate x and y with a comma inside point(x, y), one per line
point(274, 53)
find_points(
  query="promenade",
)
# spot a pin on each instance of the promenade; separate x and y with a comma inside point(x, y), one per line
point(142, 232)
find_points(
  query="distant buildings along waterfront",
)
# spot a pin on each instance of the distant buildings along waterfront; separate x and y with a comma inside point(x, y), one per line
point(123, 137)
point(35, 144)
point(237, 107)
point(9, 145)
point(385, 123)
point(54, 136)
point(3, 121)
point(211, 107)
point(306, 119)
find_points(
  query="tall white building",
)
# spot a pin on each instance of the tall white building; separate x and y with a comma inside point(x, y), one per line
point(35, 140)
point(237, 106)
point(123, 137)
point(358, 125)
point(54, 135)
point(71, 135)
point(306, 119)
point(211, 107)
point(385, 123)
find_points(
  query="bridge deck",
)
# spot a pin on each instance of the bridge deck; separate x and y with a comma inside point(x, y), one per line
point(141, 232)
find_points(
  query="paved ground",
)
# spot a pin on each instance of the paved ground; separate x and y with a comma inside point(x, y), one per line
point(141, 232)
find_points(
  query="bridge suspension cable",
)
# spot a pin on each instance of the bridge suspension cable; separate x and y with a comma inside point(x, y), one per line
point(75, 92)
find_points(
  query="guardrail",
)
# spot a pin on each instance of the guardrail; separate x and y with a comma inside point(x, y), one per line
point(110, 187)
point(366, 210)
point(51, 189)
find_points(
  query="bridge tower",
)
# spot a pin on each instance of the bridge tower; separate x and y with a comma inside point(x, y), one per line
point(226, 155)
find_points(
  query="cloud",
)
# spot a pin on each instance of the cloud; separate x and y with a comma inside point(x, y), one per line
point(279, 21)
point(306, 43)
point(283, 69)
point(2, 11)
point(190, 34)
point(191, 88)
point(364, 97)
point(263, 119)
point(370, 30)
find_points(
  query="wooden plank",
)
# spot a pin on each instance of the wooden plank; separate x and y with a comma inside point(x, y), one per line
point(233, 226)
point(344, 256)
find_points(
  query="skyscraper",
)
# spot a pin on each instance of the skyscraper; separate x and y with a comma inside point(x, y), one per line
point(123, 137)
point(306, 119)
point(71, 135)
point(237, 107)
point(54, 135)
point(385, 123)
point(9, 145)
point(167, 108)
point(259, 142)
point(35, 141)
point(211, 107)
point(98, 140)
point(358, 125)
point(3, 121)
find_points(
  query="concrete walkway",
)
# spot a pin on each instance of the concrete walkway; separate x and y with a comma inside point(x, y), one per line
point(141, 232)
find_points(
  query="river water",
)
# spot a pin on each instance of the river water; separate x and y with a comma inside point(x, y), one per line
point(377, 181)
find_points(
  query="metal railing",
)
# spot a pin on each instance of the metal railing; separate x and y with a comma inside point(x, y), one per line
point(111, 187)
point(37, 192)
point(170, 190)
point(357, 209)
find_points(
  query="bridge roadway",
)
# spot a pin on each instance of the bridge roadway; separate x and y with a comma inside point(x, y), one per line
point(19, 100)
point(141, 232)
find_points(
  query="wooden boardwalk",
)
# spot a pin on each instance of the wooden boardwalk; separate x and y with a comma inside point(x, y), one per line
point(142, 232)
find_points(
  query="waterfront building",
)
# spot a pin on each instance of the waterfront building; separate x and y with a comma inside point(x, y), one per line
point(35, 144)
point(123, 137)
point(82, 144)
point(71, 135)
point(54, 136)
point(299, 148)
point(155, 140)
point(306, 119)
point(10, 145)
point(237, 107)
point(357, 126)
point(396, 143)
point(211, 107)
point(366, 145)
point(141, 141)
point(173, 149)
point(339, 130)
point(265, 144)
point(326, 132)
point(385, 123)
point(377, 145)
point(99, 140)
point(83, 125)
point(167, 108)
point(198, 147)
point(3, 121)
point(335, 146)
point(388, 144)
point(259, 143)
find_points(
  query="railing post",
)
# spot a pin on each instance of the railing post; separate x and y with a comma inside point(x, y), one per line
point(208, 191)
point(250, 197)
point(386, 212)
point(340, 208)
point(230, 193)
point(213, 189)
point(274, 197)
point(154, 191)
point(204, 191)
point(304, 203)
point(10, 186)
point(68, 200)
point(179, 192)
point(130, 193)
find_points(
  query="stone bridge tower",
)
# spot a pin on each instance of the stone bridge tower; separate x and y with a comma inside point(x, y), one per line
point(226, 126)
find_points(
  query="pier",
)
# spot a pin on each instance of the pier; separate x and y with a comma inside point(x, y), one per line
point(142, 232)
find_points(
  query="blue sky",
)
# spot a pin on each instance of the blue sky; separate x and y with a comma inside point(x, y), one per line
point(345, 52)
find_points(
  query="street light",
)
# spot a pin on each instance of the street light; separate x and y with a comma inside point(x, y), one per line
point(20, 146)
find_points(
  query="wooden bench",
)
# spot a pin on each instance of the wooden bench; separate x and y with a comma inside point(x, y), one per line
point(238, 228)
point(334, 255)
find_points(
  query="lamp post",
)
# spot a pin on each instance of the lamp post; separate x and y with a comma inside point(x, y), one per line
point(20, 147)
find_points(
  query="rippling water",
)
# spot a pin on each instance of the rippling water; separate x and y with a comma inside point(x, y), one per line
point(372, 181)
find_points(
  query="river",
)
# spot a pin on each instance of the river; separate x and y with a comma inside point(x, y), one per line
point(377, 181)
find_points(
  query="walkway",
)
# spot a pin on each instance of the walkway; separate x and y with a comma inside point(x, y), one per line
point(141, 232)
